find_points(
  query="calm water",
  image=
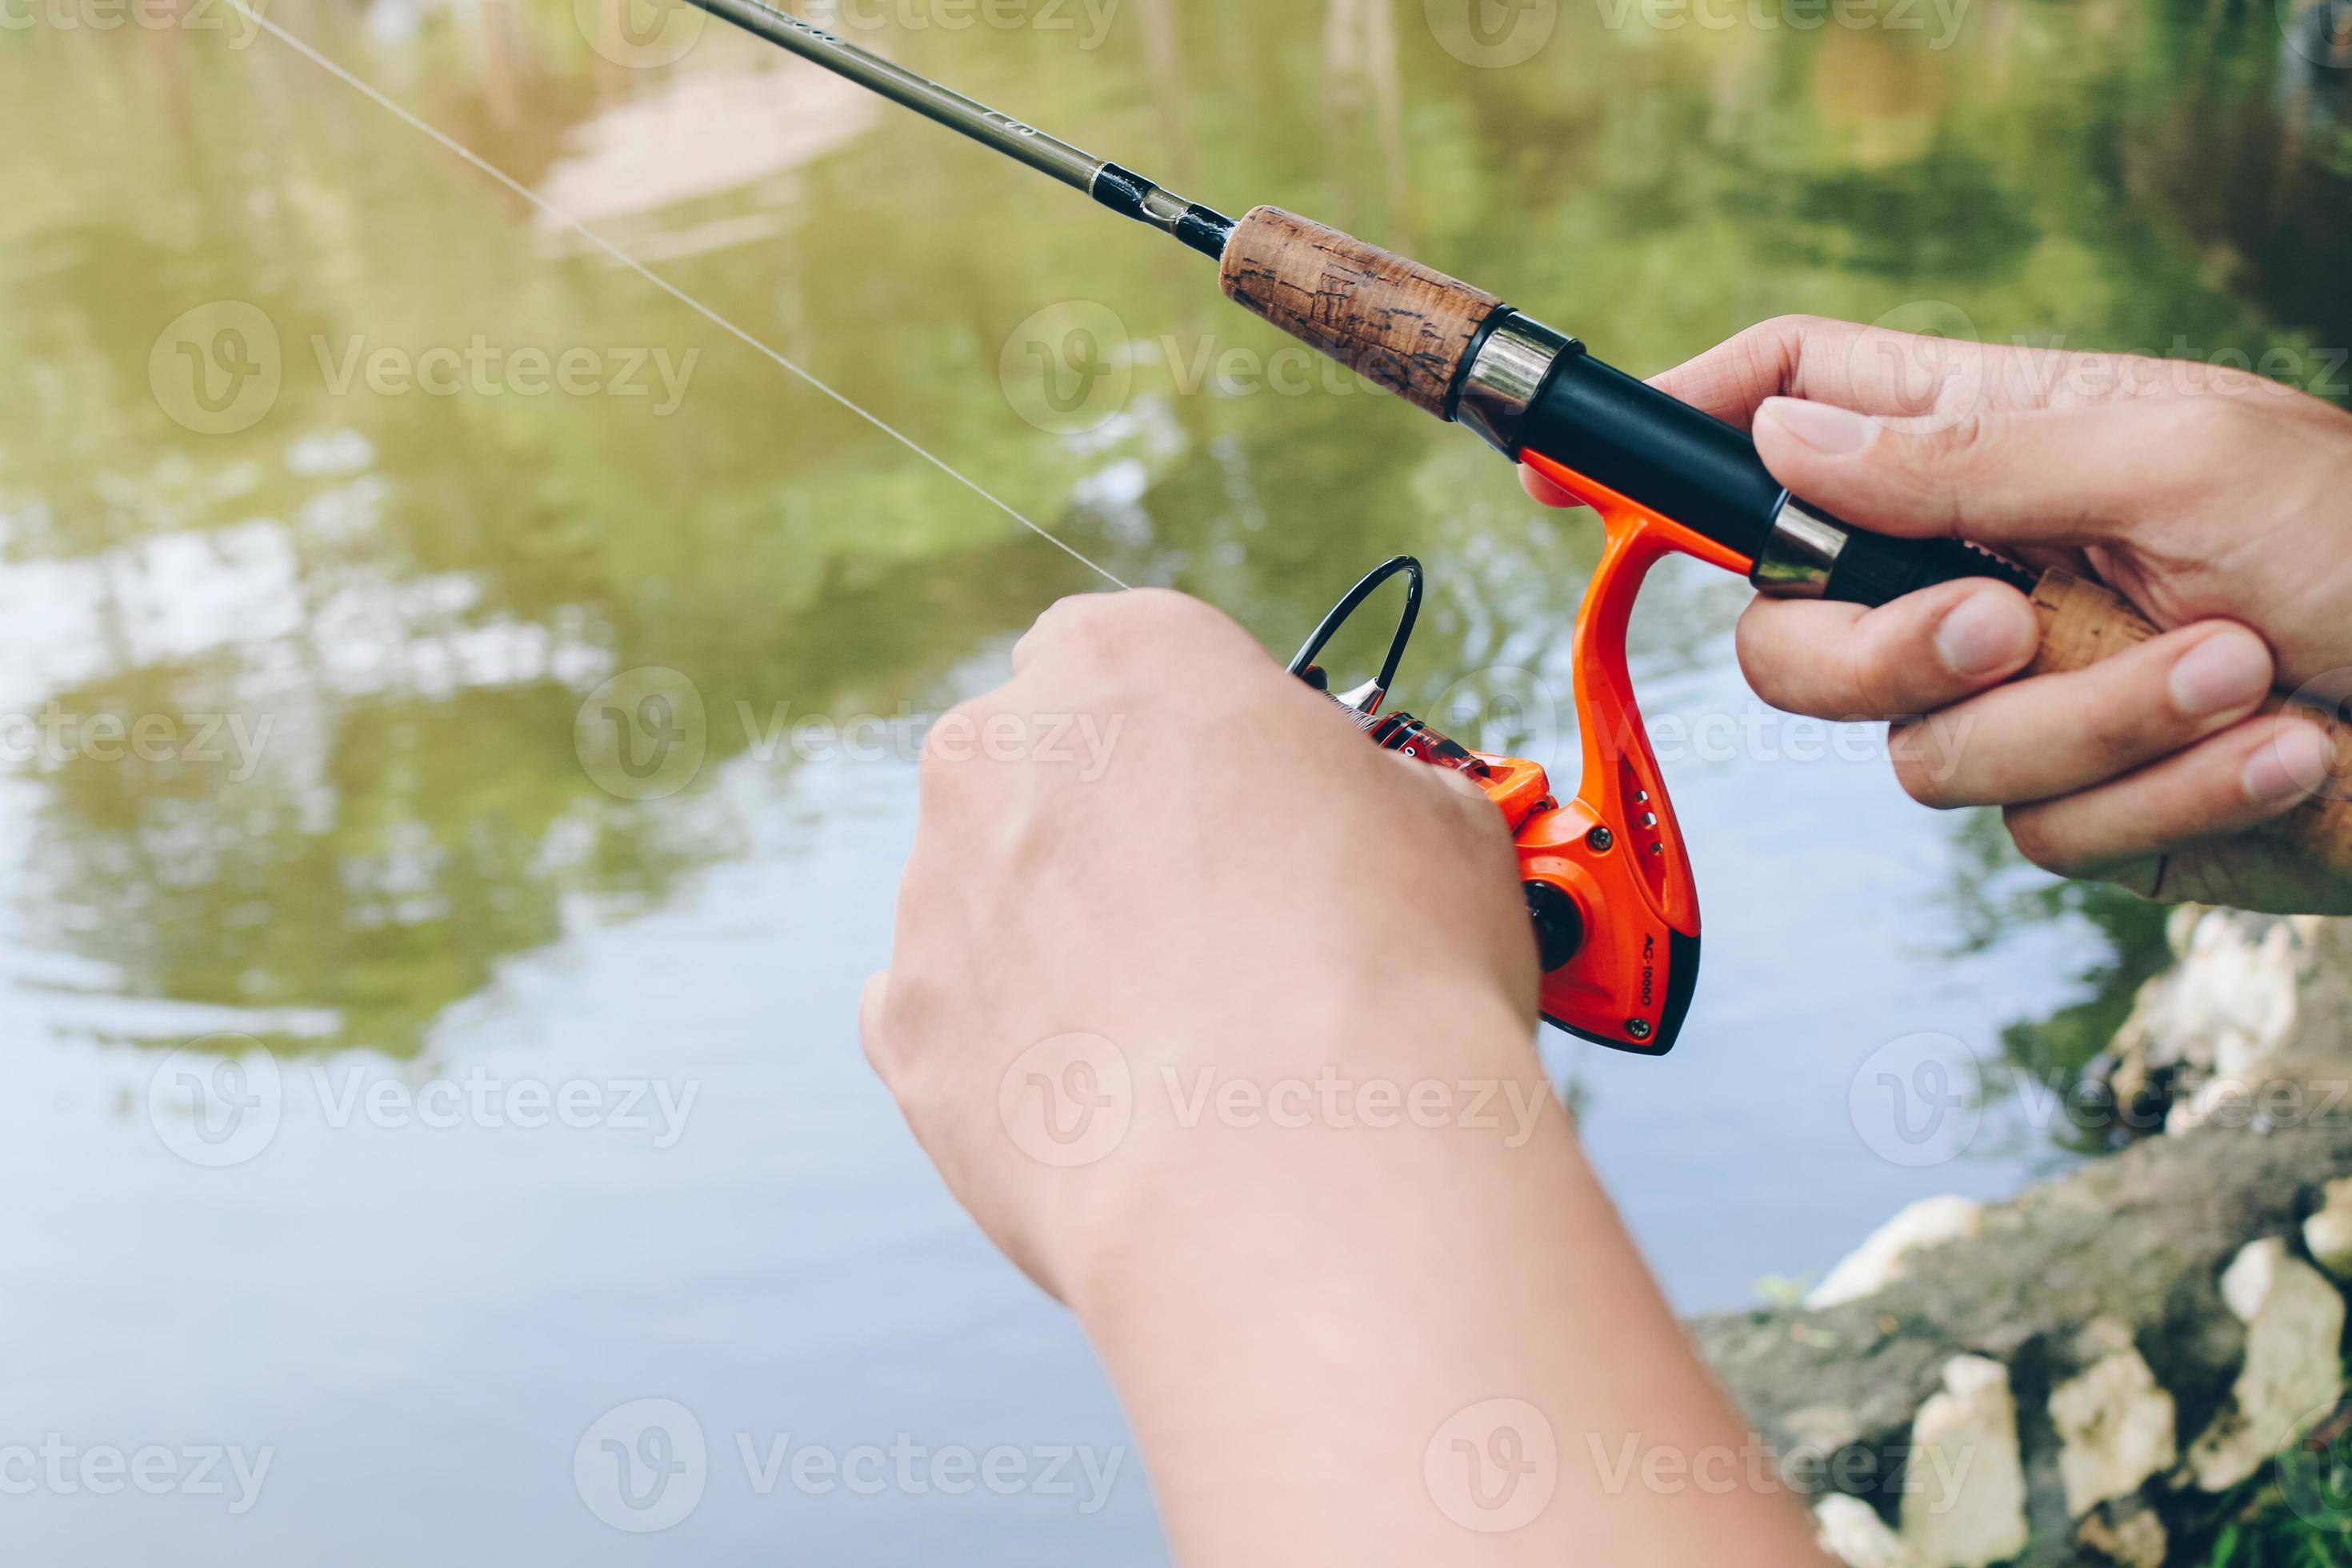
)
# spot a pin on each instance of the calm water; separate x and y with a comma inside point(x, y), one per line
point(345, 552)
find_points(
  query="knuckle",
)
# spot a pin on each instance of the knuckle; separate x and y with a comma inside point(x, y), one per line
point(948, 745)
point(1964, 438)
point(1924, 777)
point(1871, 681)
point(1110, 628)
point(1760, 652)
point(2214, 420)
point(1792, 327)
point(2125, 731)
point(2031, 831)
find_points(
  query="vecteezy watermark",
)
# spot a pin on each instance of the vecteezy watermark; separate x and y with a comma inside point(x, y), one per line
point(642, 1467)
point(1921, 1100)
point(1496, 1466)
point(2315, 1471)
point(645, 1466)
point(2318, 31)
point(216, 1102)
point(1926, 359)
point(1084, 1474)
point(486, 369)
point(1332, 1098)
point(1493, 1467)
point(1629, 1462)
point(220, 1101)
point(147, 15)
point(643, 34)
point(61, 1468)
point(1941, 20)
point(2327, 697)
point(644, 734)
point(1072, 369)
point(1088, 22)
point(220, 368)
point(1492, 33)
point(217, 369)
point(1070, 1101)
point(1918, 1101)
point(54, 737)
point(646, 34)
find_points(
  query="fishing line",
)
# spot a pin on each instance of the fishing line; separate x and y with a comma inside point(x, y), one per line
point(673, 290)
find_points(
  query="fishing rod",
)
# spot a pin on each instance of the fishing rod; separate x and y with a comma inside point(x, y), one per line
point(1607, 876)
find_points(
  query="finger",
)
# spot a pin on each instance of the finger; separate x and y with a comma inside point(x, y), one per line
point(1063, 620)
point(2055, 735)
point(1923, 652)
point(2231, 781)
point(1545, 490)
point(1866, 368)
point(2034, 476)
point(869, 1014)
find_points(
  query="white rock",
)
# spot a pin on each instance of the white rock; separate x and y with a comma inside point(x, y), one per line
point(2231, 1000)
point(2115, 1426)
point(1851, 1531)
point(1886, 1255)
point(2292, 1376)
point(2328, 1233)
point(1964, 1502)
point(2136, 1538)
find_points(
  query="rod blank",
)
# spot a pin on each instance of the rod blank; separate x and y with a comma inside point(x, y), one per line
point(1007, 135)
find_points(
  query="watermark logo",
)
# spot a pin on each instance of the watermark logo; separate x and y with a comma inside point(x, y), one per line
point(1492, 33)
point(1504, 712)
point(217, 369)
point(2320, 31)
point(642, 35)
point(642, 735)
point(1068, 370)
point(642, 1468)
point(2314, 1472)
point(1493, 1467)
point(909, 1469)
point(56, 738)
point(220, 1101)
point(1090, 21)
point(147, 15)
point(1068, 1101)
point(62, 1468)
point(1946, 16)
point(216, 1102)
point(486, 369)
point(1916, 1101)
point(1926, 360)
point(2327, 697)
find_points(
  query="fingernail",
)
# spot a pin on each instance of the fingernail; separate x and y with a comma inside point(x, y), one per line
point(1824, 426)
point(2226, 672)
point(2295, 764)
point(1987, 634)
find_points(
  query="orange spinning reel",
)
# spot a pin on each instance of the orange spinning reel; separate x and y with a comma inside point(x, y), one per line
point(1608, 882)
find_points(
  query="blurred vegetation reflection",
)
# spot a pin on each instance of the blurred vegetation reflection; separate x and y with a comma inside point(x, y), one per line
point(415, 591)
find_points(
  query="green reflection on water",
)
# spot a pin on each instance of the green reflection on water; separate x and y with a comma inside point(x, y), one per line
point(416, 591)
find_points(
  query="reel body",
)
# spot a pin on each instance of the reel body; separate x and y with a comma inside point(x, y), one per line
point(1606, 876)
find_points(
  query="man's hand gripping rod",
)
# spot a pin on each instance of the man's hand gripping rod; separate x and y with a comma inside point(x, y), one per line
point(1665, 479)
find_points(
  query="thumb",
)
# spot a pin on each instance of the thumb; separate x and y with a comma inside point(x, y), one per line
point(2062, 477)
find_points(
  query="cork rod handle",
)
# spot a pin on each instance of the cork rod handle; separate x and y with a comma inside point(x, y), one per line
point(2083, 623)
point(1395, 323)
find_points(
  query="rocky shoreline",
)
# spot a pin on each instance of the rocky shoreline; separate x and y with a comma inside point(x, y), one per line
point(2093, 1371)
